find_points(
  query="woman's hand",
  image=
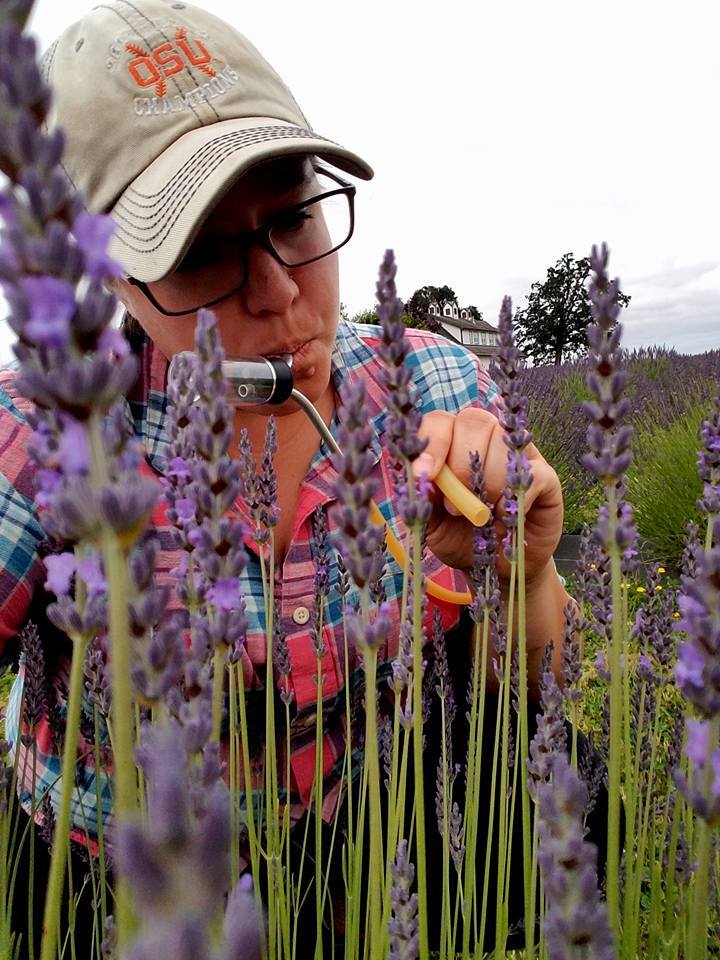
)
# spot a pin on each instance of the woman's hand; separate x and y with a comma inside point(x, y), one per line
point(451, 439)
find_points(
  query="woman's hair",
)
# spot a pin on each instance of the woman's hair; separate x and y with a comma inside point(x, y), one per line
point(133, 332)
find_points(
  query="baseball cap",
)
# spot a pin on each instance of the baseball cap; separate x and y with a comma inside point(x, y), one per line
point(164, 106)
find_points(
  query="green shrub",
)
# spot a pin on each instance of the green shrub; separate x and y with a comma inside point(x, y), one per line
point(663, 485)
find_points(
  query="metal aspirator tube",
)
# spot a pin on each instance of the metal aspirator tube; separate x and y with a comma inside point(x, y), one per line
point(260, 380)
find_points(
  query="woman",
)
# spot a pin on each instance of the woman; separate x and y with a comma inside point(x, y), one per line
point(220, 192)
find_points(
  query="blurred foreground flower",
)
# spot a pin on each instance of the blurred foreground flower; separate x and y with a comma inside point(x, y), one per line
point(576, 922)
point(178, 865)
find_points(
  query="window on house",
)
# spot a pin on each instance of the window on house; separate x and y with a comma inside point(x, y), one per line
point(447, 310)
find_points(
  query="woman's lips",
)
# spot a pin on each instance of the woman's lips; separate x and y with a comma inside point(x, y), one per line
point(299, 355)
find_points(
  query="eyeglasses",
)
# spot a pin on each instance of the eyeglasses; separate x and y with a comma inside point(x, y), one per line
point(216, 269)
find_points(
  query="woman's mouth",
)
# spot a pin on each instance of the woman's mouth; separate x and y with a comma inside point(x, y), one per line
point(296, 355)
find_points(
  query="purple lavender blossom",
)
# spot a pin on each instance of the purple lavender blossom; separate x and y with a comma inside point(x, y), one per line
point(241, 928)
point(97, 677)
point(35, 692)
point(403, 418)
point(403, 924)
point(177, 865)
point(457, 836)
point(698, 668)
point(357, 537)
point(505, 371)
point(654, 628)
point(609, 443)
point(51, 306)
point(202, 486)
point(571, 658)
point(372, 635)
point(708, 464)
point(92, 234)
point(691, 542)
point(550, 737)
point(701, 788)
point(576, 919)
point(269, 509)
point(60, 572)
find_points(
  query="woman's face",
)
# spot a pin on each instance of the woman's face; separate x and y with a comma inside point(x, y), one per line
point(278, 310)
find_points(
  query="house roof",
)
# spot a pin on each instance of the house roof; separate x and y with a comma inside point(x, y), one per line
point(464, 323)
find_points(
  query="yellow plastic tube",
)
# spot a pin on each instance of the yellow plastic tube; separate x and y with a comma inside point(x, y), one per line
point(470, 506)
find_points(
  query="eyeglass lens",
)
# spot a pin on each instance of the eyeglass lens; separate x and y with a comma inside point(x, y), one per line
point(298, 236)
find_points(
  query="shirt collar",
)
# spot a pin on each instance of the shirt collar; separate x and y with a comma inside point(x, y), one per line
point(352, 356)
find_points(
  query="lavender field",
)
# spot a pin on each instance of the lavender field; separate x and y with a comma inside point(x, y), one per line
point(603, 779)
point(669, 394)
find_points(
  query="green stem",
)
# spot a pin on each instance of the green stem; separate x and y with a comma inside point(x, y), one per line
point(318, 790)
point(418, 744)
point(522, 744)
point(56, 877)
point(670, 883)
point(218, 689)
point(472, 797)
point(703, 852)
point(504, 706)
point(491, 823)
point(375, 879)
point(616, 728)
point(249, 793)
point(445, 906)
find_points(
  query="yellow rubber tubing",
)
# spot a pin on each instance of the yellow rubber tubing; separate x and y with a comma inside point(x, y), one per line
point(465, 500)
point(469, 506)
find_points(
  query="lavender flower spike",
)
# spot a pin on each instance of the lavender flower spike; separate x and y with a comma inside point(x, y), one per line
point(403, 418)
point(178, 864)
point(358, 539)
point(698, 667)
point(550, 738)
point(609, 443)
point(576, 923)
point(708, 464)
point(403, 925)
point(505, 369)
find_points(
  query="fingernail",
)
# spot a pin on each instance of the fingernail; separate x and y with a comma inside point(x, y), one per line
point(451, 508)
point(425, 463)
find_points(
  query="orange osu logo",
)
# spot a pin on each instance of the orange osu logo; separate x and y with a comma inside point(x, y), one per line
point(153, 67)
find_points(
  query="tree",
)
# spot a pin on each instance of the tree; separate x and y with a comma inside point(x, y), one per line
point(419, 303)
point(365, 316)
point(552, 326)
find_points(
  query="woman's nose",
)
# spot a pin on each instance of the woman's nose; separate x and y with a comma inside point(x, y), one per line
point(269, 288)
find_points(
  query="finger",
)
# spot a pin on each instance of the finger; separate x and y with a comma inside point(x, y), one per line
point(478, 431)
point(545, 489)
point(437, 429)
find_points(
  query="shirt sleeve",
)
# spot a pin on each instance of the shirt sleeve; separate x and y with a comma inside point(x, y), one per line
point(449, 377)
point(21, 566)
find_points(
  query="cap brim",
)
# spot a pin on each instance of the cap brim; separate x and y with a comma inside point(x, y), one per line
point(159, 213)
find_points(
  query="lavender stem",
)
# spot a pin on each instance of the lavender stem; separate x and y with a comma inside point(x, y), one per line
point(56, 878)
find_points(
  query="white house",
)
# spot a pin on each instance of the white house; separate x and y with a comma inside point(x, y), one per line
point(457, 324)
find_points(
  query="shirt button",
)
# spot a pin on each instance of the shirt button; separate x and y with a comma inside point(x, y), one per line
point(301, 615)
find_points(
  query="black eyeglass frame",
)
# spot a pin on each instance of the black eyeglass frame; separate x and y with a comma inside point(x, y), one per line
point(261, 237)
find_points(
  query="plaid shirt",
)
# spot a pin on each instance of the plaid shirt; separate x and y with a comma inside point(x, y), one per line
point(447, 378)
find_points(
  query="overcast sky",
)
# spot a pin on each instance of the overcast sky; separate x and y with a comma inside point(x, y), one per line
point(504, 134)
